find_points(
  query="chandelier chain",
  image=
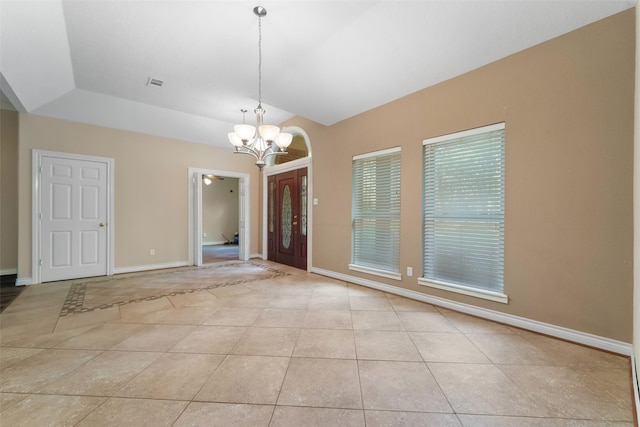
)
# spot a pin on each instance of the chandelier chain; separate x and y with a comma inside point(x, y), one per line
point(259, 61)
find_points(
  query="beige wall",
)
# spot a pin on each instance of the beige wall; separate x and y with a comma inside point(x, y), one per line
point(151, 186)
point(9, 191)
point(220, 210)
point(568, 108)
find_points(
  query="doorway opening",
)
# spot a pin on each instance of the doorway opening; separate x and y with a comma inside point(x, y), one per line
point(218, 217)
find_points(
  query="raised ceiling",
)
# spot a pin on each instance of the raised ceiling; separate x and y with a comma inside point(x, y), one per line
point(90, 61)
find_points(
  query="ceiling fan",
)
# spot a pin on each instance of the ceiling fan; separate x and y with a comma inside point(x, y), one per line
point(208, 179)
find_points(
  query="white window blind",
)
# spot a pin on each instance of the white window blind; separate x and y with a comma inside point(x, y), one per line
point(464, 209)
point(376, 212)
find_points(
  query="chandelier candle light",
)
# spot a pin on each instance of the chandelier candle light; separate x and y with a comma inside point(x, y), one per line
point(259, 142)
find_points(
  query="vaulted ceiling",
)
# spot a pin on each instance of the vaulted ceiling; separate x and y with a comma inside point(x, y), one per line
point(91, 61)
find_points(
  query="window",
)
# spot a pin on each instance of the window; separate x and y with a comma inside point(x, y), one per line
point(376, 213)
point(464, 212)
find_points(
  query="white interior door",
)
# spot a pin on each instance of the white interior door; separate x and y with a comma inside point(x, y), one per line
point(73, 224)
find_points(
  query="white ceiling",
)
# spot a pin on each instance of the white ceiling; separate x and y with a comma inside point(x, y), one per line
point(90, 60)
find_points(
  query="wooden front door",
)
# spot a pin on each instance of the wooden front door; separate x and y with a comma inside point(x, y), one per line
point(287, 218)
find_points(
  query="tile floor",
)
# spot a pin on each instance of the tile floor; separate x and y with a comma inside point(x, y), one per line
point(261, 344)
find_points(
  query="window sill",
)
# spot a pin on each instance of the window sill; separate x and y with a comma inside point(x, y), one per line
point(376, 272)
point(465, 290)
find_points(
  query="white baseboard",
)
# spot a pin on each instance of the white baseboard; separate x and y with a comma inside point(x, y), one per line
point(21, 281)
point(8, 271)
point(214, 242)
point(136, 268)
point(596, 341)
point(257, 256)
point(636, 391)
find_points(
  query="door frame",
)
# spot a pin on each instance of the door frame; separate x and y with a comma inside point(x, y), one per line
point(195, 213)
point(36, 208)
point(302, 163)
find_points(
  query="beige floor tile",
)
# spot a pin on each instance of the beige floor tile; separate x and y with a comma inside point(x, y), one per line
point(155, 338)
point(302, 289)
point(225, 415)
point(46, 410)
point(34, 373)
point(280, 318)
point(229, 291)
point(96, 317)
point(328, 319)
point(375, 303)
point(8, 399)
point(230, 316)
point(328, 383)
point(249, 301)
point(363, 291)
point(267, 342)
point(295, 302)
point(48, 339)
point(425, 322)
point(410, 419)
point(474, 325)
point(145, 311)
point(325, 343)
point(495, 421)
point(307, 327)
point(406, 304)
point(210, 339)
point(176, 376)
point(187, 315)
point(135, 412)
point(245, 379)
point(376, 321)
point(447, 347)
point(101, 337)
point(293, 416)
point(510, 349)
point(400, 386)
point(10, 356)
point(329, 302)
point(330, 288)
point(385, 345)
point(103, 375)
point(593, 393)
point(484, 389)
point(195, 299)
point(575, 355)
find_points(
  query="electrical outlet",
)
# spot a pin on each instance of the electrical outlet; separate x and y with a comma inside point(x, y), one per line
point(152, 251)
point(409, 271)
point(204, 234)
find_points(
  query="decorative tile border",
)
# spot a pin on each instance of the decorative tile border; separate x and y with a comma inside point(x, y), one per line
point(74, 303)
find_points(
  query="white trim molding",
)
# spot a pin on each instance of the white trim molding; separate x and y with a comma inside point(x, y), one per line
point(137, 268)
point(591, 340)
point(376, 272)
point(8, 271)
point(23, 281)
point(465, 290)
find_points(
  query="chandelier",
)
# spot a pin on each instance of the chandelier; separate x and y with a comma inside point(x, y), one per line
point(261, 140)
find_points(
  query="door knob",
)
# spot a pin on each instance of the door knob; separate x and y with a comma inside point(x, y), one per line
point(102, 224)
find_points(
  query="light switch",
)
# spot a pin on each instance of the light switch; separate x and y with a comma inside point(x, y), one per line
point(315, 201)
point(409, 271)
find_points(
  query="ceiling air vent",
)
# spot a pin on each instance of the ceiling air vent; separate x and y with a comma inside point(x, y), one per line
point(154, 82)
